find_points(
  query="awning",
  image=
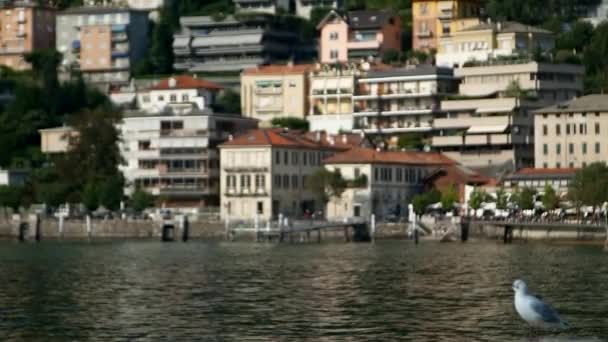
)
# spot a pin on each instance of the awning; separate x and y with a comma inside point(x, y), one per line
point(505, 109)
point(488, 129)
point(181, 42)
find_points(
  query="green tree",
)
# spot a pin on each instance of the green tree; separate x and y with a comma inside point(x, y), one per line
point(590, 185)
point(161, 51)
point(391, 56)
point(291, 123)
point(90, 196)
point(111, 192)
point(10, 197)
point(501, 199)
point(524, 198)
point(449, 197)
point(550, 198)
point(477, 198)
point(596, 66)
point(421, 201)
point(410, 141)
point(229, 102)
point(141, 200)
point(326, 185)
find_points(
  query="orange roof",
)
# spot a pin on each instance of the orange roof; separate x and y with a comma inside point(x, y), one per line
point(278, 137)
point(371, 156)
point(549, 171)
point(186, 82)
point(278, 69)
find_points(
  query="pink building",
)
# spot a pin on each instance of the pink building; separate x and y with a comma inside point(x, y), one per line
point(358, 34)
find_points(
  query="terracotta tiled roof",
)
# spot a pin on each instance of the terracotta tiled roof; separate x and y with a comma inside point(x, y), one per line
point(459, 174)
point(279, 69)
point(278, 137)
point(371, 156)
point(542, 172)
point(186, 82)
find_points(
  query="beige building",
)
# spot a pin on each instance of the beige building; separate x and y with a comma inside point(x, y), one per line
point(275, 91)
point(25, 26)
point(559, 179)
point(380, 182)
point(490, 40)
point(548, 82)
point(56, 140)
point(264, 171)
point(572, 134)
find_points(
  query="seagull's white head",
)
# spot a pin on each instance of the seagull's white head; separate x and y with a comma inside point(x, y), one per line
point(520, 286)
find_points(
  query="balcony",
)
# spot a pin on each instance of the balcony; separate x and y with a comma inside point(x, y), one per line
point(269, 90)
point(21, 34)
point(424, 34)
point(181, 133)
point(246, 192)
point(259, 169)
point(188, 191)
point(466, 122)
point(446, 14)
point(21, 19)
point(455, 140)
point(11, 50)
point(119, 37)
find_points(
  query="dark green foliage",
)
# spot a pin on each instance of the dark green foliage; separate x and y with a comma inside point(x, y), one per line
point(326, 184)
point(90, 196)
point(291, 123)
point(524, 198)
point(421, 201)
point(391, 56)
point(590, 186)
point(501, 199)
point(411, 141)
point(161, 51)
point(550, 198)
point(358, 182)
point(11, 197)
point(449, 197)
point(141, 200)
point(477, 198)
point(229, 101)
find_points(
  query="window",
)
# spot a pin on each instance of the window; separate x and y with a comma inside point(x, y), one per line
point(558, 165)
point(311, 156)
point(597, 128)
point(294, 181)
point(584, 164)
point(545, 149)
point(173, 98)
point(294, 158)
point(545, 129)
point(558, 129)
point(304, 158)
point(245, 182)
point(277, 157)
point(333, 54)
point(185, 98)
point(144, 145)
point(558, 149)
point(333, 36)
point(567, 129)
point(230, 181)
point(161, 98)
point(424, 8)
point(260, 207)
point(357, 172)
point(277, 181)
point(286, 158)
point(571, 148)
point(145, 98)
point(545, 165)
point(260, 181)
point(286, 181)
point(584, 148)
point(582, 129)
point(597, 147)
point(376, 174)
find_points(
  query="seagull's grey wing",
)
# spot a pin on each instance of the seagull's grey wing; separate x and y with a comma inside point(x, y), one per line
point(547, 313)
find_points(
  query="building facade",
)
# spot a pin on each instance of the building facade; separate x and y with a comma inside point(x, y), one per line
point(399, 101)
point(175, 156)
point(153, 7)
point(275, 91)
point(559, 179)
point(358, 35)
point(13, 177)
point(25, 26)
point(490, 40)
point(304, 8)
point(392, 179)
point(56, 140)
point(102, 42)
point(258, 6)
point(434, 19)
point(572, 134)
point(332, 88)
point(178, 94)
point(204, 44)
point(264, 172)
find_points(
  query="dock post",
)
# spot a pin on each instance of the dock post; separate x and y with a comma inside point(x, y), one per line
point(308, 236)
point(227, 223)
point(416, 232)
point(88, 224)
point(185, 228)
point(606, 243)
point(256, 225)
point(37, 228)
point(318, 235)
point(373, 227)
point(290, 228)
point(346, 237)
point(61, 226)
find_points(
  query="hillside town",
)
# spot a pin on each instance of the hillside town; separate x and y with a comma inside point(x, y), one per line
point(316, 109)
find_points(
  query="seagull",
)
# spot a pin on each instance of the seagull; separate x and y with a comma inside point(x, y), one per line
point(534, 311)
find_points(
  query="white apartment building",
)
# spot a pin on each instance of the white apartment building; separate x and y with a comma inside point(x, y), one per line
point(305, 7)
point(332, 88)
point(392, 180)
point(396, 101)
point(493, 126)
point(572, 134)
point(178, 94)
point(174, 156)
point(489, 40)
point(264, 172)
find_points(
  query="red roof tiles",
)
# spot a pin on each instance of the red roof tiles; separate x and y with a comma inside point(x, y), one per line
point(186, 82)
point(278, 137)
point(371, 156)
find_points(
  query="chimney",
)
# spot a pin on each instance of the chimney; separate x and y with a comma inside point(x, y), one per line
point(172, 82)
point(290, 63)
point(344, 139)
point(499, 26)
point(317, 136)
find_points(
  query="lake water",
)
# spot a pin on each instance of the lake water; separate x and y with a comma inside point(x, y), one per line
point(387, 291)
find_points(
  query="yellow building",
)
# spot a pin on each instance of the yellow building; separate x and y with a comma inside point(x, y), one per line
point(433, 19)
